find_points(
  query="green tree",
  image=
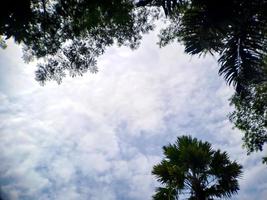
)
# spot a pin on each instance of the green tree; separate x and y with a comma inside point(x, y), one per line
point(235, 30)
point(71, 34)
point(192, 169)
point(250, 116)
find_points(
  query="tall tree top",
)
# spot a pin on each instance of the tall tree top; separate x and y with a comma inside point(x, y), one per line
point(192, 169)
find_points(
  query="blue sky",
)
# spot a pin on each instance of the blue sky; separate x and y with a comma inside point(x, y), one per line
point(97, 137)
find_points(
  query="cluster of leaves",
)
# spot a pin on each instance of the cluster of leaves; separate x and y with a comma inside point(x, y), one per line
point(233, 29)
point(250, 116)
point(70, 34)
point(192, 169)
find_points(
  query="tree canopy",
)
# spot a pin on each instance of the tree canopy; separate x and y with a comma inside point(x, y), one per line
point(71, 34)
point(233, 29)
point(192, 169)
point(67, 36)
point(250, 116)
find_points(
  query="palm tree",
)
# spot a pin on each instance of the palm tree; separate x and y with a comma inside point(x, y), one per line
point(233, 29)
point(193, 170)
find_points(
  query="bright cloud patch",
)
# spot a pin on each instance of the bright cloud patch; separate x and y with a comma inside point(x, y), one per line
point(97, 137)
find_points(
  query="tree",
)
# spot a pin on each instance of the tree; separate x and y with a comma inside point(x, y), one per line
point(192, 169)
point(69, 35)
point(250, 116)
point(233, 29)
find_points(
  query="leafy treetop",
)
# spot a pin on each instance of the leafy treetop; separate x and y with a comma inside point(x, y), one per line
point(192, 169)
point(71, 34)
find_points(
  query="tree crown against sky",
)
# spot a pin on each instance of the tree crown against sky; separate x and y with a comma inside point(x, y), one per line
point(234, 29)
point(192, 169)
point(69, 35)
point(250, 116)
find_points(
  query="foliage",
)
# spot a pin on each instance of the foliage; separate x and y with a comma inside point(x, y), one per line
point(2, 43)
point(71, 34)
point(59, 30)
point(233, 29)
point(250, 116)
point(192, 169)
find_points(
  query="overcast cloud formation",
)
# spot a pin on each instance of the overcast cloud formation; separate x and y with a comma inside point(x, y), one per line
point(97, 137)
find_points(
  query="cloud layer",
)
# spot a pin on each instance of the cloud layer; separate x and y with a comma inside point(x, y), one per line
point(97, 137)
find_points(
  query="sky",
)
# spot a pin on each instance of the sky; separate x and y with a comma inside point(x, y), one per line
point(97, 137)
